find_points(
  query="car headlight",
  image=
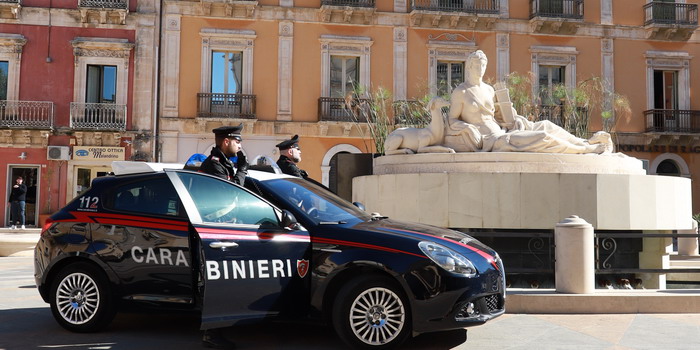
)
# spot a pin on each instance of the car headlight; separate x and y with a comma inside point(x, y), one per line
point(448, 259)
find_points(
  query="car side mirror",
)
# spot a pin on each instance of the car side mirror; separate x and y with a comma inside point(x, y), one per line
point(288, 220)
point(359, 205)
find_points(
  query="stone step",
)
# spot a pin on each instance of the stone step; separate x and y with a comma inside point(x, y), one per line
point(18, 242)
point(603, 301)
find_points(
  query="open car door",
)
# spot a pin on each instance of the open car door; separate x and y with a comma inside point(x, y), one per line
point(252, 267)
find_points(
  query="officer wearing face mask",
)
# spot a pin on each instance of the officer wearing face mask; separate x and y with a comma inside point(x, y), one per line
point(290, 156)
point(228, 144)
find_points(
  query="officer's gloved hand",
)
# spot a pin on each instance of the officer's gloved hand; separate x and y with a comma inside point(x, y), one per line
point(303, 173)
point(242, 160)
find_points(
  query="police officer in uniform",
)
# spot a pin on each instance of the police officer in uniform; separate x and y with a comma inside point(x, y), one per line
point(290, 155)
point(228, 144)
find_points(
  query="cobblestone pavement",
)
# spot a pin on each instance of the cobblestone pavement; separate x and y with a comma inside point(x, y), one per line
point(26, 323)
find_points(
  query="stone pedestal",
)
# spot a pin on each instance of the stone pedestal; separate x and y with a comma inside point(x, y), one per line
point(575, 266)
point(655, 255)
point(688, 245)
point(524, 191)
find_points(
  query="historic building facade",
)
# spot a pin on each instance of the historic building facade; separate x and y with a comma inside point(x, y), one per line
point(85, 82)
point(72, 98)
point(282, 67)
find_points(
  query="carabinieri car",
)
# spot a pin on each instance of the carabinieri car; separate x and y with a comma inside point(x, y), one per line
point(186, 240)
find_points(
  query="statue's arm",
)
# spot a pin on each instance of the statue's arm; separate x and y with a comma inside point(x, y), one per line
point(456, 101)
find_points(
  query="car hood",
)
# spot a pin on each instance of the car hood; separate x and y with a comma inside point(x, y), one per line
point(423, 232)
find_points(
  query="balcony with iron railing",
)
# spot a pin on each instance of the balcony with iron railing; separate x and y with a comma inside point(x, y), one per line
point(215, 105)
point(469, 6)
point(103, 11)
point(672, 120)
point(337, 110)
point(347, 11)
point(670, 21)
point(98, 116)
point(351, 3)
point(455, 14)
point(26, 114)
point(567, 9)
point(570, 118)
point(556, 16)
point(104, 4)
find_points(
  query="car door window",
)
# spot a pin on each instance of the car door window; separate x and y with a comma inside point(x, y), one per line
point(153, 196)
point(221, 201)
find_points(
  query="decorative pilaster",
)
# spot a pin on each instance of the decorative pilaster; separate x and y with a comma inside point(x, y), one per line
point(606, 12)
point(400, 63)
point(502, 55)
point(171, 66)
point(608, 70)
point(284, 70)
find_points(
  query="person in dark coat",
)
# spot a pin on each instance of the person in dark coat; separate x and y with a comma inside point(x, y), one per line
point(18, 198)
point(228, 144)
point(290, 156)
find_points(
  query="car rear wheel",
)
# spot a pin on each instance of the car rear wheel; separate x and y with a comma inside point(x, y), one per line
point(81, 300)
point(371, 313)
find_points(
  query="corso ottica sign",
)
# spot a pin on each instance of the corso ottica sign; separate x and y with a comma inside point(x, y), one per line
point(243, 269)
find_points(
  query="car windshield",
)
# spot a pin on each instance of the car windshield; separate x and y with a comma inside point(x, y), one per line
point(319, 204)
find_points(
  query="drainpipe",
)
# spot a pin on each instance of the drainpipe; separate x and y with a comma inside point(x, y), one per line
point(156, 156)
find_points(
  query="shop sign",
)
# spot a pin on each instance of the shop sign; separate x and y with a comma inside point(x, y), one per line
point(98, 153)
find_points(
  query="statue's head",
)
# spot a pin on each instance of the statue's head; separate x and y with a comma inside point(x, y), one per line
point(476, 62)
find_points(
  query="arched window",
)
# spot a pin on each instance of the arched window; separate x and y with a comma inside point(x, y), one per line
point(669, 168)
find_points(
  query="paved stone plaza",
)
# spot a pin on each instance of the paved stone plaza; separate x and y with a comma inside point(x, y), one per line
point(27, 324)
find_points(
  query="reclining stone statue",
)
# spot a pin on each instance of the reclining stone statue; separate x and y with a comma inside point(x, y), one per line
point(480, 122)
point(475, 124)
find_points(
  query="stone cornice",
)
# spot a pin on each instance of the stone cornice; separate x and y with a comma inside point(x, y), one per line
point(391, 19)
point(39, 16)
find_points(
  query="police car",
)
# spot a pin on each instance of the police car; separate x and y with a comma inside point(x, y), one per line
point(280, 248)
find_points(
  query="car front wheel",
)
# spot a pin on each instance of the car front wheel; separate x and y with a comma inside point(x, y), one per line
point(81, 300)
point(371, 313)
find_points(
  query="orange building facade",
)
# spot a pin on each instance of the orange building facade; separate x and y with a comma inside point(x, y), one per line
point(281, 67)
point(85, 82)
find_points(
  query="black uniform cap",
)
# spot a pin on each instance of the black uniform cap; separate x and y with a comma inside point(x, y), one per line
point(287, 144)
point(229, 131)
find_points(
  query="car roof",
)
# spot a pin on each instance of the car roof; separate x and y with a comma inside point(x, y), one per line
point(128, 167)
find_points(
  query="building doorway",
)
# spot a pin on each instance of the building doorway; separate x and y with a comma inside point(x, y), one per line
point(30, 175)
point(84, 176)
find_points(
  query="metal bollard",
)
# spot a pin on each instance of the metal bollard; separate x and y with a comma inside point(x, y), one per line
point(575, 266)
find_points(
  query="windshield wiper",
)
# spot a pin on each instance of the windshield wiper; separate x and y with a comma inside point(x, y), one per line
point(332, 222)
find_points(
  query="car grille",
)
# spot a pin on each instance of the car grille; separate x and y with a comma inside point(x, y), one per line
point(485, 305)
point(493, 302)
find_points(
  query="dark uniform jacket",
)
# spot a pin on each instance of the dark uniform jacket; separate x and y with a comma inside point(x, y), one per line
point(219, 165)
point(19, 193)
point(290, 168)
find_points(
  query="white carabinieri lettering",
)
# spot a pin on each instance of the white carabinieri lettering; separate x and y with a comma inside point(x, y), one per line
point(247, 269)
point(160, 256)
